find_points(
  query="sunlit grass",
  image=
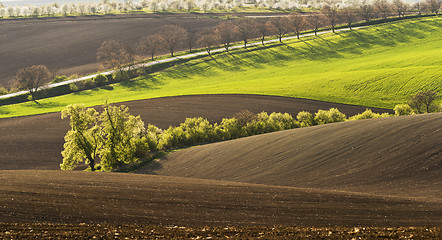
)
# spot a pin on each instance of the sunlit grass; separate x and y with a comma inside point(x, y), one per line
point(379, 66)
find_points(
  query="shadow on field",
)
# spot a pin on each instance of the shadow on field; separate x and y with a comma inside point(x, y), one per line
point(314, 48)
point(148, 82)
point(4, 111)
point(44, 105)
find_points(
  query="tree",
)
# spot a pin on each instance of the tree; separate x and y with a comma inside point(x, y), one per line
point(264, 29)
point(245, 28)
point(349, 15)
point(433, 5)
point(33, 78)
point(172, 36)
point(331, 13)
point(281, 25)
point(149, 45)
point(113, 54)
point(367, 11)
point(114, 136)
point(191, 39)
point(383, 7)
point(400, 7)
point(83, 141)
point(418, 7)
point(316, 21)
point(297, 23)
point(122, 133)
point(424, 101)
point(207, 39)
point(225, 32)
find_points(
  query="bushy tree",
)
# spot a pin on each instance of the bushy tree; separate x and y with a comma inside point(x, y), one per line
point(122, 136)
point(305, 118)
point(84, 139)
point(402, 110)
point(115, 136)
point(367, 114)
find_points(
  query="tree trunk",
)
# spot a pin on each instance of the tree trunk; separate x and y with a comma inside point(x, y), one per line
point(91, 164)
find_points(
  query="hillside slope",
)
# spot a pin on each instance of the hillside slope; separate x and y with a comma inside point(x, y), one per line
point(399, 156)
point(35, 142)
point(116, 198)
point(377, 66)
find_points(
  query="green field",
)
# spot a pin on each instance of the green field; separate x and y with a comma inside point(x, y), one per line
point(378, 66)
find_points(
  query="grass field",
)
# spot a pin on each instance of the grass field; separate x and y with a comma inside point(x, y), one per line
point(378, 66)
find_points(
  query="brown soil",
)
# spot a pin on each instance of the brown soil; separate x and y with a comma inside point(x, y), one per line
point(69, 45)
point(87, 231)
point(35, 142)
point(29, 196)
point(369, 179)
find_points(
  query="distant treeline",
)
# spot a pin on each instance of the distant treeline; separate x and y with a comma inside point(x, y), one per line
point(380, 7)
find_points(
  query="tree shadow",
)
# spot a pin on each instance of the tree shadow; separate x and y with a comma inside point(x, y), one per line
point(3, 111)
point(45, 105)
point(147, 82)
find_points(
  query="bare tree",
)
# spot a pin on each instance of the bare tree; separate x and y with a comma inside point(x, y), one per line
point(418, 8)
point(191, 39)
point(297, 23)
point(246, 29)
point(281, 25)
point(316, 21)
point(33, 78)
point(400, 7)
point(113, 54)
point(207, 39)
point(383, 7)
point(367, 11)
point(149, 45)
point(331, 13)
point(264, 29)
point(424, 101)
point(349, 15)
point(172, 36)
point(433, 5)
point(225, 32)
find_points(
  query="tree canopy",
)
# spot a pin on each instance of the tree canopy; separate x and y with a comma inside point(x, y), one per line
point(114, 136)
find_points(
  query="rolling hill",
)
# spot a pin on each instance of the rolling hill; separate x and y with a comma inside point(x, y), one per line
point(398, 156)
point(378, 66)
point(35, 142)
